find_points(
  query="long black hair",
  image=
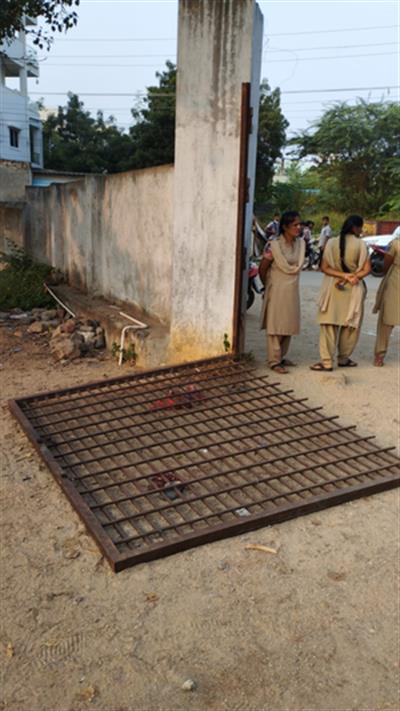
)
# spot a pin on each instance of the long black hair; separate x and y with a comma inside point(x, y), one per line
point(286, 219)
point(347, 228)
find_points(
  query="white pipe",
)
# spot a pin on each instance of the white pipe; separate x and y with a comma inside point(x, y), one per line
point(59, 300)
point(139, 323)
point(121, 347)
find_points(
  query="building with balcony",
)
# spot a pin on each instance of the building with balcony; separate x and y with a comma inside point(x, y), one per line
point(20, 125)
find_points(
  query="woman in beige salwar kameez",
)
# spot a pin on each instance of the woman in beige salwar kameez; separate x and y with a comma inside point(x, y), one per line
point(388, 301)
point(341, 302)
point(281, 308)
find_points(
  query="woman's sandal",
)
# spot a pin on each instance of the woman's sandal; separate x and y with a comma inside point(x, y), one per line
point(278, 368)
point(287, 362)
point(320, 367)
point(348, 364)
point(378, 361)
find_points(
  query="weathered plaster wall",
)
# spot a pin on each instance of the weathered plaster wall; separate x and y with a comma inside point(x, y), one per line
point(136, 238)
point(216, 36)
point(111, 234)
point(14, 177)
point(11, 224)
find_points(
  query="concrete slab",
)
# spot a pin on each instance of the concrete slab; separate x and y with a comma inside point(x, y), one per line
point(150, 341)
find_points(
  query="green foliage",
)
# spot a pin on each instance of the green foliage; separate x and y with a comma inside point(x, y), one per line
point(272, 127)
point(129, 354)
point(56, 14)
point(153, 134)
point(226, 343)
point(303, 191)
point(21, 281)
point(356, 153)
point(299, 191)
point(75, 141)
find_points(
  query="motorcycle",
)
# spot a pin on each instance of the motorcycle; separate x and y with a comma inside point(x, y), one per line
point(254, 284)
point(311, 259)
point(377, 261)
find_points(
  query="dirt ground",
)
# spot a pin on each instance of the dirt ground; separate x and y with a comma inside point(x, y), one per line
point(313, 628)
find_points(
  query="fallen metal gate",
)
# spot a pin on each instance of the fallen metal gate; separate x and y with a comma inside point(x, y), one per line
point(169, 459)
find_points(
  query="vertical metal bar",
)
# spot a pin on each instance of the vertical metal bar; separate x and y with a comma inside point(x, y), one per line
point(238, 317)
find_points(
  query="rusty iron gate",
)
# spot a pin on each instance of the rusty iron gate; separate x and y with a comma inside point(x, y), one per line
point(161, 461)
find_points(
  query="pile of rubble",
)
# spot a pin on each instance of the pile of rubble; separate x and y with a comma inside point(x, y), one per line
point(69, 337)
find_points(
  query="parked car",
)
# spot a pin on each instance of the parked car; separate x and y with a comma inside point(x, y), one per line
point(377, 246)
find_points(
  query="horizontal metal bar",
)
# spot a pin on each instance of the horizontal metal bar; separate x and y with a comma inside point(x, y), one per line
point(152, 413)
point(117, 395)
point(207, 433)
point(188, 450)
point(132, 397)
point(218, 458)
point(175, 416)
point(186, 501)
point(268, 499)
point(241, 525)
point(234, 470)
point(158, 372)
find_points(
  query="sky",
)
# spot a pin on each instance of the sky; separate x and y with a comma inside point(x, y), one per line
point(317, 52)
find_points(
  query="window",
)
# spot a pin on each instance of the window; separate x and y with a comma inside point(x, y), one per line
point(14, 136)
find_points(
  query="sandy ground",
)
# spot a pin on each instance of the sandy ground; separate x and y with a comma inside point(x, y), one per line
point(313, 628)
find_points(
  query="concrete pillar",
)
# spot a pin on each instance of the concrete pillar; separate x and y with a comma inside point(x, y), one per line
point(219, 48)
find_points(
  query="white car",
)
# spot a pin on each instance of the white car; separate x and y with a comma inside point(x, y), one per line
point(381, 241)
point(377, 246)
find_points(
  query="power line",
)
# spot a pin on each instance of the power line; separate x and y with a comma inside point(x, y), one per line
point(331, 56)
point(118, 66)
point(271, 61)
point(117, 39)
point(323, 32)
point(340, 46)
point(173, 39)
point(320, 105)
point(136, 94)
point(268, 49)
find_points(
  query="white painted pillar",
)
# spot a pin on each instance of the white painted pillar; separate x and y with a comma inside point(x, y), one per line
point(219, 48)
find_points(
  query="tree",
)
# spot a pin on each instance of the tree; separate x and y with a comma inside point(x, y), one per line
point(75, 141)
point(356, 153)
point(154, 131)
point(272, 127)
point(56, 13)
point(153, 134)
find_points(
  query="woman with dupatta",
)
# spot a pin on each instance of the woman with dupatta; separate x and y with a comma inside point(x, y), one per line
point(388, 301)
point(345, 263)
point(281, 266)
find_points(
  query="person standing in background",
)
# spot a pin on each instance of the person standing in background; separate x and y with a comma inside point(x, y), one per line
point(341, 302)
point(388, 301)
point(280, 271)
point(272, 229)
point(325, 234)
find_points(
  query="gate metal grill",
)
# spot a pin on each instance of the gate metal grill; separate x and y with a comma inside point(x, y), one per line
point(166, 460)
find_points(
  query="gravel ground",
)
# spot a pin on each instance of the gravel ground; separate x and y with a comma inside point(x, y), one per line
point(314, 627)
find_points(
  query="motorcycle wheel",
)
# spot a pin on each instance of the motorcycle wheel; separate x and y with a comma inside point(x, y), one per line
point(377, 265)
point(250, 299)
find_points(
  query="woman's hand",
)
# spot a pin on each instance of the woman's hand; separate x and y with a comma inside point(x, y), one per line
point(267, 254)
point(352, 279)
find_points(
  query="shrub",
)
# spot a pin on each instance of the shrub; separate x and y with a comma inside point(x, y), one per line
point(21, 281)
